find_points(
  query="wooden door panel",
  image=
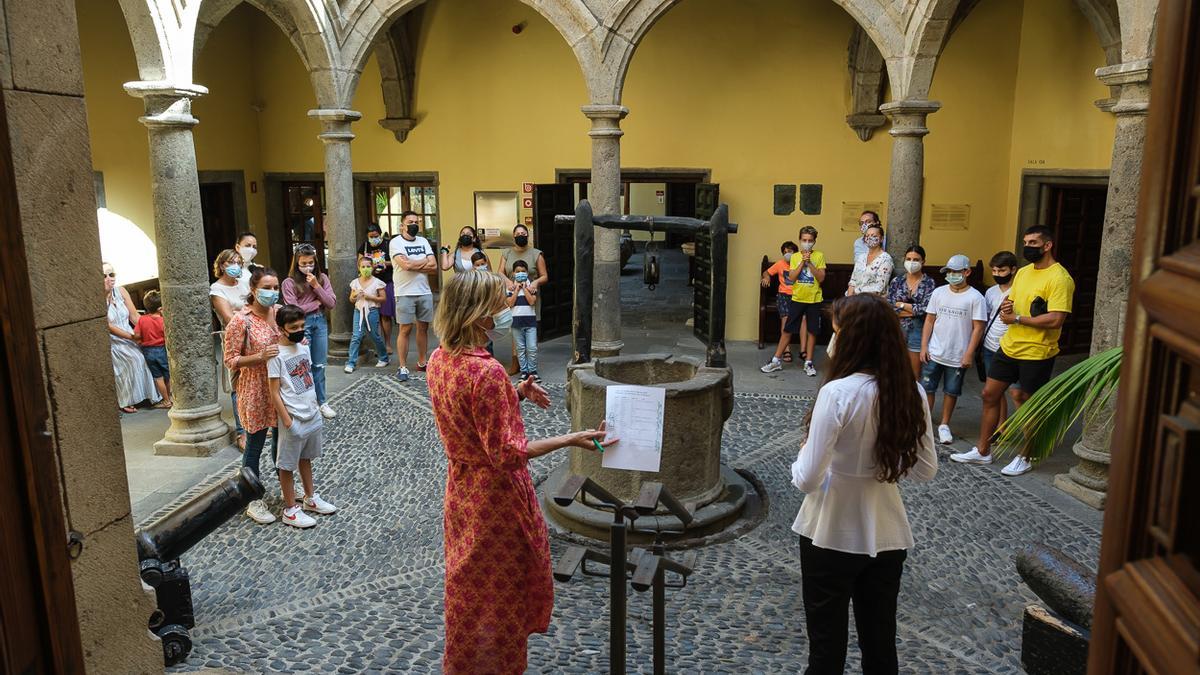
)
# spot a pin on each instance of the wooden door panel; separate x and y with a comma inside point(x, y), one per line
point(558, 247)
point(1147, 616)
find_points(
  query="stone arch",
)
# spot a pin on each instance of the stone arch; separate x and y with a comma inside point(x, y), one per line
point(1103, 16)
point(927, 29)
point(868, 79)
point(161, 32)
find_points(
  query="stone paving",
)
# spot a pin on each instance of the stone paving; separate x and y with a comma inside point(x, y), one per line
point(361, 592)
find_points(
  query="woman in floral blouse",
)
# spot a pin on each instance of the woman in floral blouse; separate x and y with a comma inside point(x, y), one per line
point(909, 295)
point(873, 270)
point(498, 586)
point(251, 340)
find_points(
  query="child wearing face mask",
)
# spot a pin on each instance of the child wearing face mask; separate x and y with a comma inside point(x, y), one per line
point(954, 323)
point(308, 288)
point(783, 296)
point(367, 293)
point(479, 261)
point(294, 396)
point(524, 320)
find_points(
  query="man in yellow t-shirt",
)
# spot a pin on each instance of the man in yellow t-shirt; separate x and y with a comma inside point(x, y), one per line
point(806, 274)
point(1037, 305)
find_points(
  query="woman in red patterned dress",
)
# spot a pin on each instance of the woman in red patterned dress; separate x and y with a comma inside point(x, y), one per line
point(499, 587)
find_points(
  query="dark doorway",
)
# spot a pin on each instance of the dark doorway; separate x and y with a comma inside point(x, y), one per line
point(304, 220)
point(219, 216)
point(557, 243)
point(1076, 213)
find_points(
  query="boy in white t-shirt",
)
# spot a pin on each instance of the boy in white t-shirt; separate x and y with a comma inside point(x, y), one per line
point(954, 322)
point(367, 294)
point(1004, 268)
point(300, 435)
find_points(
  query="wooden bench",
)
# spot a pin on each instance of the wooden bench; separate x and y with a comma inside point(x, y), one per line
point(837, 280)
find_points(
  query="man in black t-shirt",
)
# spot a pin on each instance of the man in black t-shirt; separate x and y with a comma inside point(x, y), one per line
point(376, 248)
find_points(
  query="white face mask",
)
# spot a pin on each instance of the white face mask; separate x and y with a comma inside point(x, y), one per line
point(501, 325)
point(913, 266)
point(247, 253)
point(807, 245)
point(307, 269)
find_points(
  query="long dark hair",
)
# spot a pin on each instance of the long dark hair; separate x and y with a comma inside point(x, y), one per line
point(870, 341)
point(294, 272)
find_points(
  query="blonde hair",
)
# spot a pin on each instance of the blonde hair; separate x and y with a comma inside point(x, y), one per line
point(223, 259)
point(467, 299)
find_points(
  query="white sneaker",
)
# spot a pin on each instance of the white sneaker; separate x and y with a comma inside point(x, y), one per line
point(809, 369)
point(773, 366)
point(972, 457)
point(348, 369)
point(327, 412)
point(1018, 466)
point(382, 364)
point(315, 503)
point(296, 517)
point(944, 435)
point(257, 511)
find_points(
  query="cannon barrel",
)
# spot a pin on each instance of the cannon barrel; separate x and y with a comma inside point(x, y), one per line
point(646, 223)
point(1066, 586)
point(172, 535)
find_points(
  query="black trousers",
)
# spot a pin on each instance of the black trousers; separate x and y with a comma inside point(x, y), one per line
point(831, 580)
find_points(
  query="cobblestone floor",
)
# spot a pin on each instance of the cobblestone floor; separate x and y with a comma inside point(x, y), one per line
point(361, 592)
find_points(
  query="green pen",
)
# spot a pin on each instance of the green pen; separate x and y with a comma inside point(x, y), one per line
point(599, 448)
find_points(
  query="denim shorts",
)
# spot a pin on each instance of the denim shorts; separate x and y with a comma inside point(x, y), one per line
point(988, 355)
point(951, 378)
point(913, 335)
point(156, 361)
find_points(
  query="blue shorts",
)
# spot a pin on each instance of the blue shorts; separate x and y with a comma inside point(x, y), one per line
point(951, 378)
point(783, 303)
point(156, 361)
point(913, 335)
point(988, 355)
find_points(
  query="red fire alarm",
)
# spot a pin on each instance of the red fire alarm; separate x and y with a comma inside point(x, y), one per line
point(527, 188)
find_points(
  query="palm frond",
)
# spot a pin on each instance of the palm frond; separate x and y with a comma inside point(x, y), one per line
point(1038, 426)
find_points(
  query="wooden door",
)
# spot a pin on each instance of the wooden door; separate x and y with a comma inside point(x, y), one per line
point(1076, 213)
point(1147, 613)
point(220, 222)
point(39, 632)
point(681, 201)
point(557, 243)
point(303, 221)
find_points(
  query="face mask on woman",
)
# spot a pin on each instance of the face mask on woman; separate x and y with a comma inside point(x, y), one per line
point(521, 240)
point(502, 323)
point(266, 297)
point(247, 253)
point(234, 271)
point(307, 269)
point(912, 266)
point(465, 240)
point(375, 241)
point(954, 278)
point(873, 240)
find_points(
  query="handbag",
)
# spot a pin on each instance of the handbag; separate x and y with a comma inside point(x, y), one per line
point(980, 368)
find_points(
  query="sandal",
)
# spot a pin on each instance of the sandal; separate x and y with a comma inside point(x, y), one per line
point(787, 356)
point(128, 410)
point(241, 442)
point(162, 405)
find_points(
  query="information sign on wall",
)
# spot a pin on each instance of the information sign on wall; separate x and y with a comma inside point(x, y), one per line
point(852, 210)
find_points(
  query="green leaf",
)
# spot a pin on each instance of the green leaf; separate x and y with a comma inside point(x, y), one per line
point(1038, 426)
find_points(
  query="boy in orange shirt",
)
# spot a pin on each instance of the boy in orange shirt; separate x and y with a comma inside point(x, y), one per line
point(783, 297)
point(150, 334)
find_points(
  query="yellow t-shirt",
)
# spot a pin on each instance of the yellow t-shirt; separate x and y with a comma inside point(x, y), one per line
point(1053, 288)
point(806, 288)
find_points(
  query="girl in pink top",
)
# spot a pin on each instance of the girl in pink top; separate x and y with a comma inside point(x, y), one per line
point(310, 290)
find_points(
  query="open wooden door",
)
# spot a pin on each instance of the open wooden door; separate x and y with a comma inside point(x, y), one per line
point(1147, 615)
point(557, 243)
point(39, 632)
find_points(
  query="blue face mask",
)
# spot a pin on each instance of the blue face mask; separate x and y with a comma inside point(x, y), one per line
point(502, 323)
point(234, 271)
point(954, 278)
point(266, 297)
point(521, 277)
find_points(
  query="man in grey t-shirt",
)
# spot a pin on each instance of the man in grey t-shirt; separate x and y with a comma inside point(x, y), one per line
point(412, 262)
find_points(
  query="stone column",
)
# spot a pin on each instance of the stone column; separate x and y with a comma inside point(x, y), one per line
point(605, 197)
point(339, 219)
point(1087, 481)
point(906, 186)
point(196, 425)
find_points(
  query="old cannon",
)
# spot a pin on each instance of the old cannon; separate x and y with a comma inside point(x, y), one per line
point(161, 544)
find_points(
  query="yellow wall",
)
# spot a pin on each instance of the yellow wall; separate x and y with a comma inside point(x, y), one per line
point(764, 104)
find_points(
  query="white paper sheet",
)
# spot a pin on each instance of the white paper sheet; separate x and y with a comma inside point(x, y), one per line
point(635, 416)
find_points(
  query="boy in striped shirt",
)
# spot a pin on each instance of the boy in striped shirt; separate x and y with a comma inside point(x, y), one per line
point(522, 298)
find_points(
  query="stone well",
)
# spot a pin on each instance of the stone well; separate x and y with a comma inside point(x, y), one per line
point(698, 401)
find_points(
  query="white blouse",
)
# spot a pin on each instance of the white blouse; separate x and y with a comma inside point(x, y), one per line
point(874, 276)
point(846, 508)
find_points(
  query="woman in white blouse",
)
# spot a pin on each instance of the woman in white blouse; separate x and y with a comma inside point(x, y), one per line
point(873, 269)
point(869, 428)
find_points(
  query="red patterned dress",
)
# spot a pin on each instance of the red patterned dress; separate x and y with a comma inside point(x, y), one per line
point(499, 587)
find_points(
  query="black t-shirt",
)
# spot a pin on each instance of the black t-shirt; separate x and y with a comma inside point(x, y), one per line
point(379, 255)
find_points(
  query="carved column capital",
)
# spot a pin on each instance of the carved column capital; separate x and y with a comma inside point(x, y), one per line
point(167, 104)
point(606, 120)
point(335, 124)
point(1133, 77)
point(908, 117)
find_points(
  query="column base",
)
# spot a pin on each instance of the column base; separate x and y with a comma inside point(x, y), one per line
point(1087, 481)
point(602, 348)
point(195, 432)
point(1093, 498)
point(339, 346)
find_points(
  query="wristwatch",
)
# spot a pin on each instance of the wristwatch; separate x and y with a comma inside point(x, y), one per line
point(444, 250)
point(1017, 320)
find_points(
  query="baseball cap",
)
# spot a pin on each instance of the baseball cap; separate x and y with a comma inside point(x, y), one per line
point(958, 263)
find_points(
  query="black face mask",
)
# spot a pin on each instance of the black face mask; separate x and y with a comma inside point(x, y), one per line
point(1033, 253)
point(413, 229)
point(1003, 280)
point(296, 337)
point(465, 240)
point(521, 240)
